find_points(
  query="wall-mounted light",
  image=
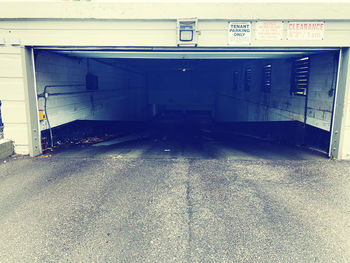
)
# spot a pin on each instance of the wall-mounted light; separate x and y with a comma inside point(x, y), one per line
point(187, 32)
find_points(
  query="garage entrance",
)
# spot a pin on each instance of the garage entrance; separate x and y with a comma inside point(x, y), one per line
point(207, 104)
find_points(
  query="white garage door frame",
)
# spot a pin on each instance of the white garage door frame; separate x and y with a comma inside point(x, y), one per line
point(31, 99)
point(340, 115)
point(337, 136)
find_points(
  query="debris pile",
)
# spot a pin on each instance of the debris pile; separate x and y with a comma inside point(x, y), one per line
point(64, 144)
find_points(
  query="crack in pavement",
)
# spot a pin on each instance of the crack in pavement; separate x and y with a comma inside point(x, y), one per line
point(189, 202)
point(190, 218)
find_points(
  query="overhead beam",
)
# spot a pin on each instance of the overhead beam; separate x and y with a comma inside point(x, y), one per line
point(183, 55)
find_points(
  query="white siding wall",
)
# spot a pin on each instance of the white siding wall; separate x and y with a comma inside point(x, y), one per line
point(160, 33)
point(125, 23)
point(279, 105)
point(346, 142)
point(12, 97)
point(120, 96)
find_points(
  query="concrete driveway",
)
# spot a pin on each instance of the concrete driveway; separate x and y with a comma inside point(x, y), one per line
point(174, 210)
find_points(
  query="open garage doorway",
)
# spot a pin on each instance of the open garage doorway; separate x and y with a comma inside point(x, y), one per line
point(233, 105)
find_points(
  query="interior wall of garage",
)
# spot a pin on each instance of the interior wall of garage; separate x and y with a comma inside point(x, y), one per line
point(183, 89)
point(52, 69)
point(125, 94)
point(238, 104)
point(120, 94)
point(322, 84)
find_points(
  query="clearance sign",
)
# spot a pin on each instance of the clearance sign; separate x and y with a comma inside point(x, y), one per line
point(305, 31)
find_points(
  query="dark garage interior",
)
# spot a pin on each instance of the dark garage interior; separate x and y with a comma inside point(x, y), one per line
point(245, 105)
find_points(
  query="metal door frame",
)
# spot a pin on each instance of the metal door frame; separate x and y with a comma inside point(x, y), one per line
point(339, 113)
point(30, 93)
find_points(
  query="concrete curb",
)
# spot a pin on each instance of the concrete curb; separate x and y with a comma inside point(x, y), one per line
point(6, 148)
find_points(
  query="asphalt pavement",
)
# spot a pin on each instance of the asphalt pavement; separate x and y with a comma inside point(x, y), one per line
point(65, 209)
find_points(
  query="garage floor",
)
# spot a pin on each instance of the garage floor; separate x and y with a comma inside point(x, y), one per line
point(174, 210)
point(188, 140)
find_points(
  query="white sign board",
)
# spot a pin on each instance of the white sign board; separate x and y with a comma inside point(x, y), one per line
point(269, 30)
point(305, 30)
point(239, 33)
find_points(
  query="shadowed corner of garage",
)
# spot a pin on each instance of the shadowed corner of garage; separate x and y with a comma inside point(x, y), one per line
point(226, 105)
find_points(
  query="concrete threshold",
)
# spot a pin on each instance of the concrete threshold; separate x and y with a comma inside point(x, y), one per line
point(6, 148)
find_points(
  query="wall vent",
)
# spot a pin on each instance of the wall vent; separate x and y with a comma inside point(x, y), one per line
point(300, 76)
point(266, 85)
point(248, 79)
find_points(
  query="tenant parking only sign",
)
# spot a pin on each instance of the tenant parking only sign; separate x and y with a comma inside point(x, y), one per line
point(305, 31)
point(239, 33)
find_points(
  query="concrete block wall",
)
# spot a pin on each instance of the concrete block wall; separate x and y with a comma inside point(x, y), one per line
point(277, 105)
point(323, 77)
point(120, 95)
point(6, 148)
point(178, 90)
point(254, 104)
point(12, 95)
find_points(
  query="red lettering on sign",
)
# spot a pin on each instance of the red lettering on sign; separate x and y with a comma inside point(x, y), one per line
point(306, 26)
